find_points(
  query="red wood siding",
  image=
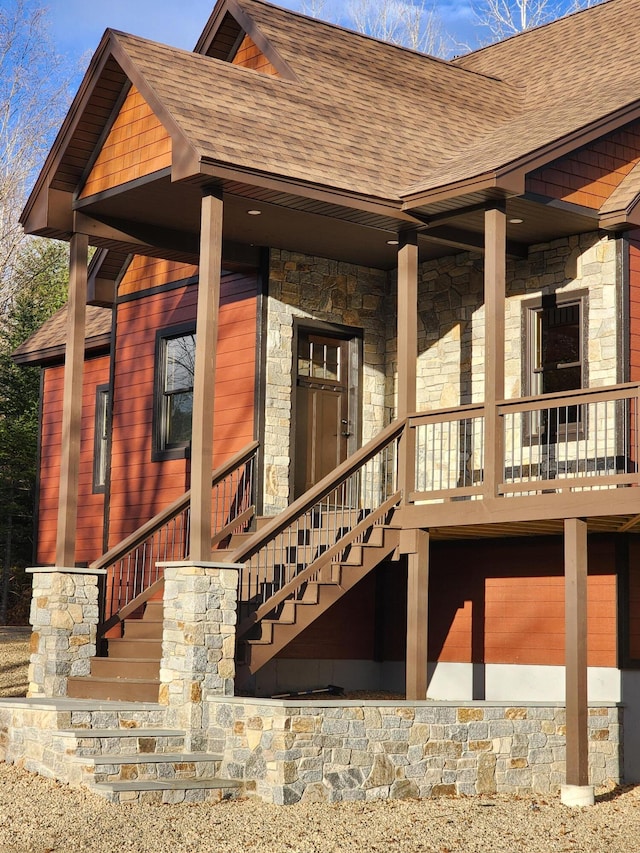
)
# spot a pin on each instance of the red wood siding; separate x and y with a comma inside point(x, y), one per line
point(139, 487)
point(249, 55)
point(136, 145)
point(496, 603)
point(507, 603)
point(90, 505)
point(589, 175)
point(144, 273)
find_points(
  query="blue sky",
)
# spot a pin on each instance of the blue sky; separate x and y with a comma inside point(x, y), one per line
point(77, 25)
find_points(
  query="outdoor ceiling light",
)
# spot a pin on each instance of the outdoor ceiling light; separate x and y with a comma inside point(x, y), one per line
point(516, 221)
point(254, 212)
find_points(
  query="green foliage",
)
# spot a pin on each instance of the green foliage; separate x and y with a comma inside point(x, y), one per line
point(40, 289)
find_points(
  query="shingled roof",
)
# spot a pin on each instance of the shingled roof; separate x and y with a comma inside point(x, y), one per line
point(359, 116)
point(48, 343)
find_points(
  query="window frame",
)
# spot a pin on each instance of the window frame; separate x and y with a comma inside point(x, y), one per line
point(531, 311)
point(162, 449)
point(101, 436)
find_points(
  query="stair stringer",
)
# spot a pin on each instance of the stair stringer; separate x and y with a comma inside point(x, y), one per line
point(306, 610)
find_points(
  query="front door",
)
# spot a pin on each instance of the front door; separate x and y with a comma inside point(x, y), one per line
point(324, 427)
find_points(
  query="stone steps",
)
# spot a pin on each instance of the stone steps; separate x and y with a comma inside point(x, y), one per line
point(177, 791)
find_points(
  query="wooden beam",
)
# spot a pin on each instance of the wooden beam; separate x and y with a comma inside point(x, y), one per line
point(417, 616)
point(575, 585)
point(72, 403)
point(495, 278)
point(407, 337)
point(462, 238)
point(204, 375)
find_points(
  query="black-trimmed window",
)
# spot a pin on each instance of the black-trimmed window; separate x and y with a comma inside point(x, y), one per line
point(173, 407)
point(101, 439)
point(555, 357)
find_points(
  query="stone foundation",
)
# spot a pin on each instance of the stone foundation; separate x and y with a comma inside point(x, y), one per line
point(347, 750)
point(64, 616)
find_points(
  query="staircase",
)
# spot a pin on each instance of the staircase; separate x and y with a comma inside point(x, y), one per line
point(131, 669)
point(119, 750)
point(320, 575)
point(294, 566)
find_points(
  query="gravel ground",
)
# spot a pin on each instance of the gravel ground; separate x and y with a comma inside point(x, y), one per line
point(41, 816)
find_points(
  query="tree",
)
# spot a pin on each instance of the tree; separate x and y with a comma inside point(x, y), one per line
point(410, 23)
point(500, 19)
point(40, 278)
point(34, 96)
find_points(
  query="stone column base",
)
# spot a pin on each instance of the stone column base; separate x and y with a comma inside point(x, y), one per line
point(577, 795)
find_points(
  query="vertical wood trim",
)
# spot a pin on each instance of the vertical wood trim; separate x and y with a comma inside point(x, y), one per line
point(407, 337)
point(575, 573)
point(204, 376)
point(72, 402)
point(495, 277)
point(417, 617)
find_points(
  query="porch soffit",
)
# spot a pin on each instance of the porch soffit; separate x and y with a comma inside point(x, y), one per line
point(621, 208)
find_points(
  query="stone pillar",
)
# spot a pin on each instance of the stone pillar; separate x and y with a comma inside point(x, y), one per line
point(198, 642)
point(64, 616)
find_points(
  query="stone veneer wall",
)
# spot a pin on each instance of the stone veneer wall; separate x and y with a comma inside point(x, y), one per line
point(345, 750)
point(64, 616)
point(451, 317)
point(333, 292)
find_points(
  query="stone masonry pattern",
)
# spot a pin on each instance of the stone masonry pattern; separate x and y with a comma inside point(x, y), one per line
point(349, 751)
point(64, 615)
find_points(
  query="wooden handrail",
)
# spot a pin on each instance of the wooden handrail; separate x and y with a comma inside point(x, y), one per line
point(132, 606)
point(578, 397)
point(322, 560)
point(181, 503)
point(316, 493)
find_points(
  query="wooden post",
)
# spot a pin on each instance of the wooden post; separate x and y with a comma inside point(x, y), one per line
point(204, 375)
point(575, 585)
point(407, 336)
point(495, 278)
point(72, 403)
point(417, 614)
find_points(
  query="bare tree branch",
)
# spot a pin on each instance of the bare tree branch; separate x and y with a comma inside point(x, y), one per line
point(411, 24)
point(33, 98)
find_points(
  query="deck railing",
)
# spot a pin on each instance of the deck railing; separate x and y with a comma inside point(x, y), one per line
point(332, 516)
point(132, 565)
point(570, 441)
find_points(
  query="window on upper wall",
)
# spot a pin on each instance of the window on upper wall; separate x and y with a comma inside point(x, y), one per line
point(175, 360)
point(101, 439)
point(555, 358)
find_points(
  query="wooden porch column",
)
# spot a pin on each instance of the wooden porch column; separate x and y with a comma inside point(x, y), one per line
point(204, 374)
point(416, 543)
point(407, 336)
point(495, 278)
point(72, 403)
point(575, 592)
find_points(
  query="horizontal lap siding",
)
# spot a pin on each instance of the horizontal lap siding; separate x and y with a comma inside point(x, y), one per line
point(137, 145)
point(494, 603)
point(139, 487)
point(90, 505)
point(507, 603)
point(590, 174)
point(144, 273)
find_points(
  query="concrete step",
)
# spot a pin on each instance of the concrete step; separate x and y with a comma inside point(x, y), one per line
point(169, 791)
point(111, 744)
point(124, 689)
point(113, 667)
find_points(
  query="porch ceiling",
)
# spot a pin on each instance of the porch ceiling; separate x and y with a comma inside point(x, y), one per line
point(161, 217)
point(550, 527)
